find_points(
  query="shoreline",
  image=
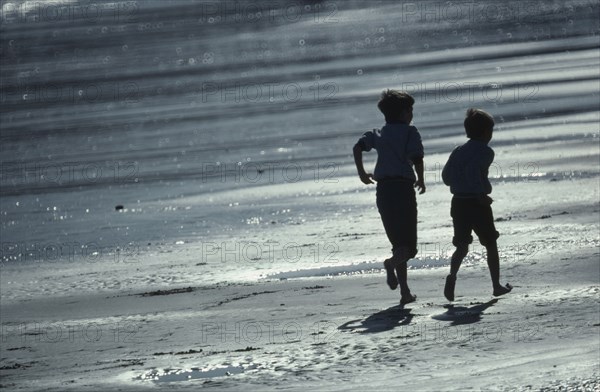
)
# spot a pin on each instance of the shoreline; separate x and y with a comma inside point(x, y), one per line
point(301, 332)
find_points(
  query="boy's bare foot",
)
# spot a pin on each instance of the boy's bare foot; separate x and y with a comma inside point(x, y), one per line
point(392, 281)
point(449, 287)
point(408, 298)
point(501, 290)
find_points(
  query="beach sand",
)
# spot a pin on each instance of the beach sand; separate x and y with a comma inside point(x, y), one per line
point(163, 228)
point(338, 331)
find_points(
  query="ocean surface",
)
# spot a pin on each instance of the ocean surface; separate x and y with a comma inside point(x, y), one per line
point(144, 135)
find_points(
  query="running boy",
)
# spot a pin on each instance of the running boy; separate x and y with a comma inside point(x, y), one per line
point(466, 172)
point(399, 147)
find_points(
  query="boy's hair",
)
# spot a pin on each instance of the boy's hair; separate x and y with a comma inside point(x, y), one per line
point(393, 102)
point(477, 121)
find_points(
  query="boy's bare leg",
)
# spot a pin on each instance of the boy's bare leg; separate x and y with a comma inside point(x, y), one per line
point(401, 272)
point(392, 281)
point(493, 261)
point(401, 257)
point(457, 258)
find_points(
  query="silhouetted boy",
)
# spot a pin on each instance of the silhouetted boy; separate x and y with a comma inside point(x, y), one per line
point(399, 147)
point(466, 172)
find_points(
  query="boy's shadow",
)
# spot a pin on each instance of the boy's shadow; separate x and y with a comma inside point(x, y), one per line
point(459, 315)
point(381, 321)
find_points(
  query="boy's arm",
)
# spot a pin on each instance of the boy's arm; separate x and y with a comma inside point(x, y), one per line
point(446, 174)
point(420, 184)
point(447, 170)
point(415, 152)
point(366, 178)
point(488, 158)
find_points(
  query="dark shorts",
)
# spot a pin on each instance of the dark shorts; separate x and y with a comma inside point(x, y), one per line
point(468, 215)
point(397, 207)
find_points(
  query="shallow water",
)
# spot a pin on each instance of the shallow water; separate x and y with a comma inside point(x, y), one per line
point(216, 124)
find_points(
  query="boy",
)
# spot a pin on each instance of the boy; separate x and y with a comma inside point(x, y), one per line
point(399, 147)
point(466, 172)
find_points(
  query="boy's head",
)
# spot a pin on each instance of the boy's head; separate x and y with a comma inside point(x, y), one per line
point(479, 124)
point(396, 106)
